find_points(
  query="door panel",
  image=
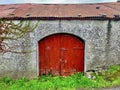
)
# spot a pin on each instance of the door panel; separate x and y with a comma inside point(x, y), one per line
point(61, 54)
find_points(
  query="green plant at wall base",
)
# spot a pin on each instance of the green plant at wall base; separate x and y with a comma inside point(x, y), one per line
point(11, 30)
point(72, 82)
point(112, 74)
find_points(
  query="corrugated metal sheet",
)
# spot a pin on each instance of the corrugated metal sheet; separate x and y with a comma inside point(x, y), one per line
point(108, 10)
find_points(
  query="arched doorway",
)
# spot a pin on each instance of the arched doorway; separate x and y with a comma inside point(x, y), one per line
point(61, 54)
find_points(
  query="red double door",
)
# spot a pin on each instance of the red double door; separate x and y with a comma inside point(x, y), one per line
point(61, 54)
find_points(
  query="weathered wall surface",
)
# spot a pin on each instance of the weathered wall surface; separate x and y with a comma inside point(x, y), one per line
point(114, 43)
point(102, 45)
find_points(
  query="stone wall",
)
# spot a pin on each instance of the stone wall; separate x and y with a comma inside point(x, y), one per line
point(102, 45)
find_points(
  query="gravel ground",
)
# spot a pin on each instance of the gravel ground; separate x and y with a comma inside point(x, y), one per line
point(113, 88)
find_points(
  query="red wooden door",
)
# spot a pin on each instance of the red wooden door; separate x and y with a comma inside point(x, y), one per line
point(61, 54)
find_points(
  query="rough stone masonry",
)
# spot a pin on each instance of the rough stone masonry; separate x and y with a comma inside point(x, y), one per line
point(101, 37)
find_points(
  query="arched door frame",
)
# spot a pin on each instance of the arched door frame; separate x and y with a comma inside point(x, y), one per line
point(42, 37)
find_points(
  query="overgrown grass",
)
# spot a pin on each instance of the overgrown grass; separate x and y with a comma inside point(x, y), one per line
point(111, 77)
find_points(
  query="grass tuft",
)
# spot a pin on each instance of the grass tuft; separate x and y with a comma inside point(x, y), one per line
point(109, 78)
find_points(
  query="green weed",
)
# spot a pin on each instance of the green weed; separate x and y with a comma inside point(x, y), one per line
point(111, 77)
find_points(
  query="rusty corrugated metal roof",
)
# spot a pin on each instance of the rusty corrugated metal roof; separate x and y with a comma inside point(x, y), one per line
point(28, 11)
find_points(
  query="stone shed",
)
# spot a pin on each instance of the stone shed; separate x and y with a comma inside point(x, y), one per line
point(69, 38)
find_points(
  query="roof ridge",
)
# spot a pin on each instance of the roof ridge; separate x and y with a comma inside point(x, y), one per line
point(57, 3)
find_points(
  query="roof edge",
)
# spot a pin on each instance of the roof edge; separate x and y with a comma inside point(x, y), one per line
point(61, 18)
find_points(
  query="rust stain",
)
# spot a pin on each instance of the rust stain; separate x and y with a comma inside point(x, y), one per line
point(60, 10)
